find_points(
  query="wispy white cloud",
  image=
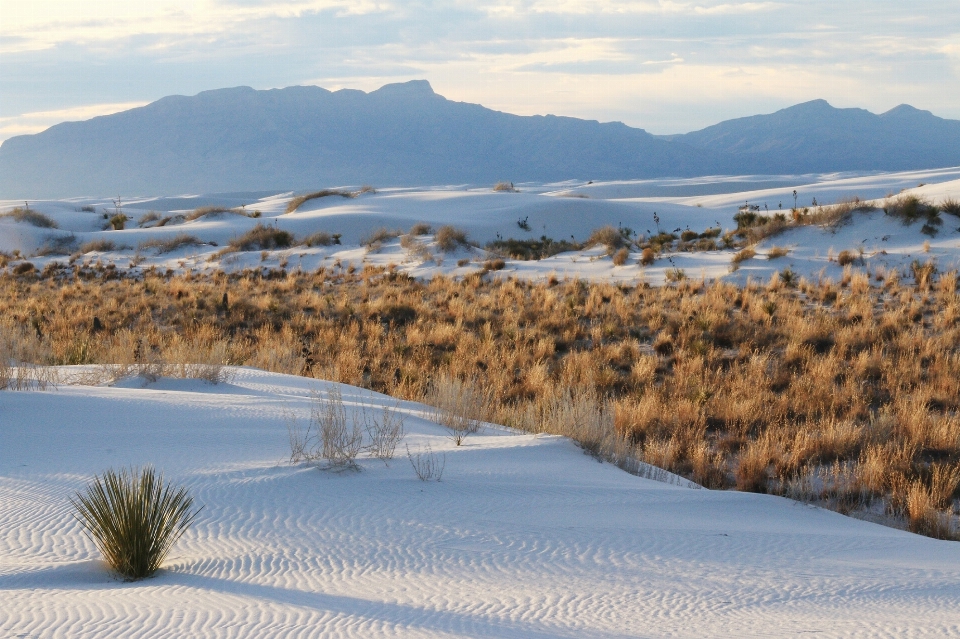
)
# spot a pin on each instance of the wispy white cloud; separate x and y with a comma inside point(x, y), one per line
point(652, 63)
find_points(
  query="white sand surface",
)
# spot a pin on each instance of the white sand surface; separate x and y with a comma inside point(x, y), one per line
point(525, 536)
point(558, 211)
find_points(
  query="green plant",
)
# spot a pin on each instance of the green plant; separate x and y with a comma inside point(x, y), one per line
point(134, 517)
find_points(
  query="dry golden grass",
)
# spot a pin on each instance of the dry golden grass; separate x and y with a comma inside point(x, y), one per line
point(167, 245)
point(300, 200)
point(29, 216)
point(449, 237)
point(844, 395)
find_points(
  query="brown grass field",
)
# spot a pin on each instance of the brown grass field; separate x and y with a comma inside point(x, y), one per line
point(841, 394)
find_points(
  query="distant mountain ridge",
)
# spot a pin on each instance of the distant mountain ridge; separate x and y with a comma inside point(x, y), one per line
point(304, 137)
point(816, 137)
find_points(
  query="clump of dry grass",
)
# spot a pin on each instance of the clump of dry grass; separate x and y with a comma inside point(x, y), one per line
point(322, 238)
point(378, 236)
point(449, 238)
point(300, 200)
point(505, 187)
point(951, 206)
point(205, 211)
point(743, 255)
point(262, 237)
point(647, 256)
point(775, 252)
point(609, 236)
point(29, 216)
point(420, 228)
point(98, 245)
point(170, 244)
point(621, 256)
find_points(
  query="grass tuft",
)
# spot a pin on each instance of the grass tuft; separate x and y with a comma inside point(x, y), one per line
point(34, 218)
point(134, 517)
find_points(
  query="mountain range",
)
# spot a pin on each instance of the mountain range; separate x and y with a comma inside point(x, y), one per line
point(305, 137)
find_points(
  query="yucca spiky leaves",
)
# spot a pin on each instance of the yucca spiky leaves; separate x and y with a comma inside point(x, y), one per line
point(134, 518)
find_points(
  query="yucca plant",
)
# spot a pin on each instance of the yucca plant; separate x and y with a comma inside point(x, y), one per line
point(134, 518)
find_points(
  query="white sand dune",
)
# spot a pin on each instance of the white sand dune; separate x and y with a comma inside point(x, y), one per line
point(559, 211)
point(525, 536)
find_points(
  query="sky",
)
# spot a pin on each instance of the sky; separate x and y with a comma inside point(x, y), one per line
point(665, 66)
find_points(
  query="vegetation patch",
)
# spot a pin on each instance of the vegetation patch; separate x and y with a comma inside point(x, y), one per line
point(168, 245)
point(262, 238)
point(29, 216)
point(300, 200)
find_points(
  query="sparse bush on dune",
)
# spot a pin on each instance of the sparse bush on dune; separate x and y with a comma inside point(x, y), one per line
point(505, 187)
point(322, 238)
point(950, 206)
point(608, 236)
point(621, 256)
point(205, 211)
point(63, 245)
point(29, 216)
point(376, 237)
point(170, 244)
point(300, 200)
point(420, 228)
point(99, 245)
point(532, 249)
point(262, 237)
point(449, 238)
point(134, 517)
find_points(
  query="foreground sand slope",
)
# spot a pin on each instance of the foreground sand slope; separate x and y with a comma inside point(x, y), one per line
point(524, 537)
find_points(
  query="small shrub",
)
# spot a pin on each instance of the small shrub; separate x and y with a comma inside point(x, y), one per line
point(57, 246)
point(950, 206)
point(524, 223)
point(689, 236)
point(847, 257)
point(648, 256)
point(621, 256)
point(448, 238)
point(426, 464)
point(204, 211)
point(378, 236)
point(147, 218)
point(608, 236)
point(170, 244)
point(743, 255)
point(99, 245)
point(459, 405)
point(339, 443)
point(505, 187)
point(34, 218)
point(262, 237)
point(384, 429)
point(495, 264)
point(532, 249)
point(675, 275)
point(298, 201)
point(777, 251)
point(134, 517)
point(911, 208)
point(322, 238)
point(23, 268)
point(420, 228)
point(118, 222)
